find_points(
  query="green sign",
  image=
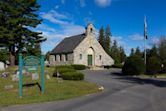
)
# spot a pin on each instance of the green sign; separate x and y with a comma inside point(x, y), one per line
point(31, 68)
point(31, 63)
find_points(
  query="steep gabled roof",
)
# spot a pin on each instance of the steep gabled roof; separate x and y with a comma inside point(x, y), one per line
point(68, 44)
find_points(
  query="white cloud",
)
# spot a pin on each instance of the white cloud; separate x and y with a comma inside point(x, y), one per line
point(136, 37)
point(155, 41)
point(55, 17)
point(103, 3)
point(54, 36)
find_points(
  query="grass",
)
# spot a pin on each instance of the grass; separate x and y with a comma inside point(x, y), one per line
point(54, 90)
point(153, 76)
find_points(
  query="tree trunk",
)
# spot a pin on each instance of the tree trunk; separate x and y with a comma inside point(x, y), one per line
point(12, 55)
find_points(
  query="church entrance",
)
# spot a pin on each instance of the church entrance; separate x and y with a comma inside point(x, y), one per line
point(90, 60)
point(90, 56)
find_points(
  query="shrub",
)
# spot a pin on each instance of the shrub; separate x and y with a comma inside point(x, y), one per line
point(72, 76)
point(163, 69)
point(62, 69)
point(67, 72)
point(153, 65)
point(79, 67)
point(64, 66)
point(134, 65)
point(117, 66)
point(107, 67)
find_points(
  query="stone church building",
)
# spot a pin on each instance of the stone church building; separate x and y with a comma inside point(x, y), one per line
point(81, 49)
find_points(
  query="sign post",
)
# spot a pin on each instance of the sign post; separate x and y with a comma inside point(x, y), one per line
point(42, 73)
point(20, 74)
point(31, 63)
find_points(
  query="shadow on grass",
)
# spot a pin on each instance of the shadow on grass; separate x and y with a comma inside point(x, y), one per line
point(138, 80)
point(32, 84)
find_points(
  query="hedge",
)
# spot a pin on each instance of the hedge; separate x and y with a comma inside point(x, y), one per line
point(79, 67)
point(68, 72)
point(117, 66)
point(61, 71)
point(72, 76)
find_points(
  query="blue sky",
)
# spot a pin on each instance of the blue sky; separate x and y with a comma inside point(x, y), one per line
point(62, 18)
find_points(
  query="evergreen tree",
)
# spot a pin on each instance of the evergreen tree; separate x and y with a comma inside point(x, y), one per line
point(47, 56)
point(138, 52)
point(122, 54)
point(162, 53)
point(162, 49)
point(115, 52)
point(101, 37)
point(17, 17)
point(4, 55)
point(132, 52)
point(107, 39)
point(153, 51)
point(34, 50)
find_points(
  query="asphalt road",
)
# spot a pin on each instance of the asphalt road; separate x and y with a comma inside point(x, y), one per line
point(120, 94)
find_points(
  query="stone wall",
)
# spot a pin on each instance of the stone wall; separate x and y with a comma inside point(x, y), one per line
point(91, 42)
point(63, 60)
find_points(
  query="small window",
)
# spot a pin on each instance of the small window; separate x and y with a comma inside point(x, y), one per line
point(55, 57)
point(100, 57)
point(66, 57)
point(60, 57)
point(80, 56)
point(91, 30)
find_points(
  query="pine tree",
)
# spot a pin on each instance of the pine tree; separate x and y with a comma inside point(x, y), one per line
point(132, 52)
point(115, 52)
point(162, 53)
point(17, 17)
point(138, 52)
point(101, 37)
point(107, 39)
point(153, 51)
point(122, 54)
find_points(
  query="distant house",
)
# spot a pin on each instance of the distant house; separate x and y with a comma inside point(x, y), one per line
point(81, 49)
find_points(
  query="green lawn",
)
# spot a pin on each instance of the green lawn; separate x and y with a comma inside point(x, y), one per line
point(153, 76)
point(54, 90)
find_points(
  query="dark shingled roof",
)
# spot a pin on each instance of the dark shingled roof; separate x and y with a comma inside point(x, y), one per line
point(68, 44)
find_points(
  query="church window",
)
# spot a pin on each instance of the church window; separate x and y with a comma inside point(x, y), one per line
point(66, 57)
point(80, 56)
point(55, 57)
point(100, 57)
point(60, 57)
point(91, 30)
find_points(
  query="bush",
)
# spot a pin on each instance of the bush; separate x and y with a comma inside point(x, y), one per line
point(79, 67)
point(72, 76)
point(134, 65)
point(163, 69)
point(64, 66)
point(117, 66)
point(62, 69)
point(153, 65)
point(67, 72)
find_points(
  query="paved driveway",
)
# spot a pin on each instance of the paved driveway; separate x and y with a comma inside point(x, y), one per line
point(120, 94)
